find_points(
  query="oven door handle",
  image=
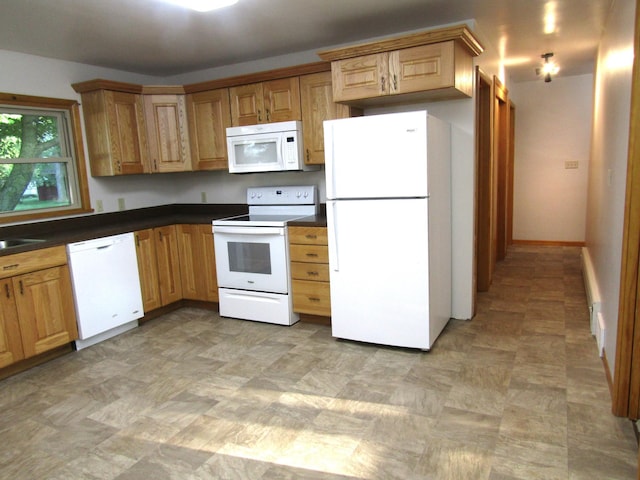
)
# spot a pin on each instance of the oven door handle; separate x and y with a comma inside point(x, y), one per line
point(249, 230)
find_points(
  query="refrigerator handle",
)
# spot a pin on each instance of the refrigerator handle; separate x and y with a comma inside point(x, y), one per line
point(332, 237)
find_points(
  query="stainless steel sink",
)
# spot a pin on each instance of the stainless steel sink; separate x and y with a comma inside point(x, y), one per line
point(18, 242)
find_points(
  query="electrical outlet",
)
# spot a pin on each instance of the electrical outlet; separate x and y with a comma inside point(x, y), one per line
point(569, 164)
point(203, 197)
point(99, 206)
point(121, 205)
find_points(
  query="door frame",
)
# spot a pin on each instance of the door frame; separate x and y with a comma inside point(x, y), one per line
point(484, 258)
point(626, 381)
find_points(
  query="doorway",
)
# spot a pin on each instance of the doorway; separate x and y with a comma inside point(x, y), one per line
point(495, 127)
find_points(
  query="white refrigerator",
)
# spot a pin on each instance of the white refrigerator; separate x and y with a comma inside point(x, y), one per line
point(388, 186)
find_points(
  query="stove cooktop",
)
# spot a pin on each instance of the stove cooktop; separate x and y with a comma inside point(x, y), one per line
point(253, 220)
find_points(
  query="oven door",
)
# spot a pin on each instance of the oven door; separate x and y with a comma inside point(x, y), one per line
point(252, 258)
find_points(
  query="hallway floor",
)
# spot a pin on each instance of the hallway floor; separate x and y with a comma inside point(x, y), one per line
point(519, 392)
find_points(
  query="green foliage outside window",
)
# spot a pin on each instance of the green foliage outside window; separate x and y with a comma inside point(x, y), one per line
point(34, 160)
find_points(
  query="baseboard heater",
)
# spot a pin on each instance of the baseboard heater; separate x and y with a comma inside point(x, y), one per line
point(596, 320)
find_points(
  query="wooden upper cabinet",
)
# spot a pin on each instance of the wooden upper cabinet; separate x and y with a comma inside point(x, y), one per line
point(282, 99)
point(410, 70)
point(166, 119)
point(116, 134)
point(317, 105)
point(360, 77)
point(431, 65)
point(265, 102)
point(209, 116)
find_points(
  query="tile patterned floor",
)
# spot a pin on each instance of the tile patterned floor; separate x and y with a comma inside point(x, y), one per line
point(517, 393)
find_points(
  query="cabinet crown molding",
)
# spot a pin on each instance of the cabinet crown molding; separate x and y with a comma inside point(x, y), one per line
point(459, 33)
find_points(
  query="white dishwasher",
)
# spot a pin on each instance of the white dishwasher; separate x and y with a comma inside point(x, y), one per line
point(106, 287)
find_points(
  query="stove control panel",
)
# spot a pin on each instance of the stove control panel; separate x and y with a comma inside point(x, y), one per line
point(284, 195)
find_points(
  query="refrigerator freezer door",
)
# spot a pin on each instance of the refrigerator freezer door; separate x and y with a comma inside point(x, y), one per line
point(377, 156)
point(380, 273)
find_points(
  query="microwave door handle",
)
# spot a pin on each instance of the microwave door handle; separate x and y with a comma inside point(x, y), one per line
point(281, 149)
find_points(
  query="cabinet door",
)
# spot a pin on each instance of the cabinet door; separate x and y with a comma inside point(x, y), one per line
point(427, 67)
point(10, 339)
point(148, 269)
point(197, 263)
point(317, 105)
point(166, 119)
point(208, 263)
point(209, 116)
point(116, 134)
point(168, 258)
point(188, 241)
point(247, 104)
point(45, 307)
point(360, 77)
point(282, 99)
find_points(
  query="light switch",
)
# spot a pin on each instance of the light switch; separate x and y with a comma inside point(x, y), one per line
point(569, 164)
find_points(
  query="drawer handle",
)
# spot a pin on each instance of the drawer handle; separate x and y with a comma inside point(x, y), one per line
point(11, 267)
point(313, 255)
point(313, 274)
point(311, 236)
point(313, 299)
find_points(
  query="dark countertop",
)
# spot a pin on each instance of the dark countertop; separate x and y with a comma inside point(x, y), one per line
point(69, 230)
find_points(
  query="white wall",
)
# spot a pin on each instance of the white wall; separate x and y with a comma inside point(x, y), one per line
point(553, 125)
point(39, 76)
point(607, 173)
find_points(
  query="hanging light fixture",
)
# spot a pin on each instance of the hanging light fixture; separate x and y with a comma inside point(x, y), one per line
point(548, 67)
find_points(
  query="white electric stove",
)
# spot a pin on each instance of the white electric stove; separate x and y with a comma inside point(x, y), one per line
point(252, 254)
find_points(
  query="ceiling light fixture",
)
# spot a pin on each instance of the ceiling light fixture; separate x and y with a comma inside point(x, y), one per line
point(202, 5)
point(548, 68)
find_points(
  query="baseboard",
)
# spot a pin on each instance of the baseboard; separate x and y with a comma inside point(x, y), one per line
point(548, 243)
point(607, 372)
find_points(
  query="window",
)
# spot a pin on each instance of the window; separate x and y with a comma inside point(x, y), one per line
point(42, 167)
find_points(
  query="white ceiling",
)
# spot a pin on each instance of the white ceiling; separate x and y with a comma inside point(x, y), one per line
point(154, 38)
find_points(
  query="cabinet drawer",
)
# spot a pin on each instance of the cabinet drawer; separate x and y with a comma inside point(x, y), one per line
point(308, 235)
point(318, 272)
point(25, 262)
point(312, 298)
point(309, 253)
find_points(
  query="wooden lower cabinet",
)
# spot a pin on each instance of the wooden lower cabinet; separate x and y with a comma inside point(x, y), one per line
point(10, 338)
point(158, 266)
point(37, 312)
point(310, 270)
point(197, 262)
point(45, 309)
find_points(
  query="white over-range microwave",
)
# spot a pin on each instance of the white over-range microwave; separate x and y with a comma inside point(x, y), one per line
point(269, 147)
